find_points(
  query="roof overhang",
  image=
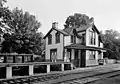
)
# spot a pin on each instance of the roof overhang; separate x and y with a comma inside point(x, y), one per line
point(83, 47)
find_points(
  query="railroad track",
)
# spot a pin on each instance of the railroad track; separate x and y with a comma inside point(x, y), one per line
point(47, 77)
point(31, 79)
point(38, 78)
point(92, 78)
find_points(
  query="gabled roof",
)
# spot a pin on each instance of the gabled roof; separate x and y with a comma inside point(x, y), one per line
point(79, 29)
point(70, 31)
point(95, 28)
point(59, 30)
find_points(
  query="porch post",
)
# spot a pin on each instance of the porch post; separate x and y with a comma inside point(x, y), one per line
point(8, 72)
point(72, 57)
point(96, 55)
point(65, 55)
point(62, 67)
point(71, 66)
point(101, 54)
point(30, 69)
point(48, 68)
point(79, 57)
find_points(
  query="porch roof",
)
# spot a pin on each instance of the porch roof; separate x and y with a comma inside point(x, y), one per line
point(83, 47)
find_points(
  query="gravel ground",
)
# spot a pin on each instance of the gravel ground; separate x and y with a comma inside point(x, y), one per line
point(113, 80)
point(85, 72)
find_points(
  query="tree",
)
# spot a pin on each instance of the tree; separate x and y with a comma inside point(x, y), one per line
point(2, 2)
point(5, 16)
point(22, 35)
point(112, 44)
point(77, 20)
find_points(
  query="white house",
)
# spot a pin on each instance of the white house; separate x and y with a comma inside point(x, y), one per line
point(82, 46)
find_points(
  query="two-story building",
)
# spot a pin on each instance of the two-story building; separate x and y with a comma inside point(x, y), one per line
point(82, 46)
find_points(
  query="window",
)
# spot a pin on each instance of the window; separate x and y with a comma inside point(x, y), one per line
point(73, 39)
point(53, 55)
point(50, 39)
point(83, 39)
point(27, 59)
point(57, 37)
point(98, 41)
point(92, 37)
point(92, 54)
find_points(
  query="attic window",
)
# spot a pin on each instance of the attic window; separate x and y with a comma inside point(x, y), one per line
point(49, 39)
point(57, 37)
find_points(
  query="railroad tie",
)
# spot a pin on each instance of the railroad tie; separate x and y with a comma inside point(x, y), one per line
point(4, 82)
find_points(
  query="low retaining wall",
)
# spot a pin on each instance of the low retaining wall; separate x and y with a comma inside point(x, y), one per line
point(32, 68)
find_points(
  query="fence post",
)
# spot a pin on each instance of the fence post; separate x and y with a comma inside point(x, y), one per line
point(8, 72)
point(71, 66)
point(48, 68)
point(62, 67)
point(30, 69)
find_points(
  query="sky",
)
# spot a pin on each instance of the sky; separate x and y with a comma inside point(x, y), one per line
point(106, 13)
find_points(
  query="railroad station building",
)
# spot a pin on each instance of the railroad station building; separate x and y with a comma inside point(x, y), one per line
point(82, 46)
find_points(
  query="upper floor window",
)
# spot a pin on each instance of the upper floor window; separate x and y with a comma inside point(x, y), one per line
point(83, 38)
point(57, 37)
point(92, 37)
point(49, 39)
point(73, 39)
point(99, 41)
point(91, 54)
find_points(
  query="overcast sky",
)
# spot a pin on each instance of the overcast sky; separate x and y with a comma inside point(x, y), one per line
point(105, 12)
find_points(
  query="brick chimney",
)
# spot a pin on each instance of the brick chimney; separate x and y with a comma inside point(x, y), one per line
point(55, 25)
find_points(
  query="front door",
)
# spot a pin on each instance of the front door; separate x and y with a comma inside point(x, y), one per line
point(77, 61)
point(53, 55)
point(83, 58)
point(68, 55)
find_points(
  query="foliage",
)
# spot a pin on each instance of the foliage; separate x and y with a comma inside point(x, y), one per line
point(112, 43)
point(22, 36)
point(77, 20)
point(5, 16)
point(2, 2)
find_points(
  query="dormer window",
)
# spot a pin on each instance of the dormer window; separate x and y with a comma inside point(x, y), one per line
point(57, 37)
point(49, 39)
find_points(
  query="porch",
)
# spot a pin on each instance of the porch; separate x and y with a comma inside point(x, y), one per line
point(83, 56)
point(76, 56)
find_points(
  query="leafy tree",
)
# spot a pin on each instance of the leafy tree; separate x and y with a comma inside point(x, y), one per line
point(112, 43)
point(5, 16)
point(22, 35)
point(2, 2)
point(77, 20)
